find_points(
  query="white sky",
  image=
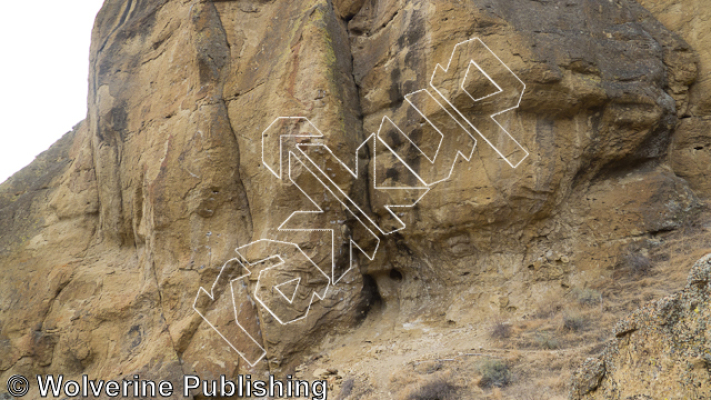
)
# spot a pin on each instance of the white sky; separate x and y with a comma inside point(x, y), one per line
point(44, 70)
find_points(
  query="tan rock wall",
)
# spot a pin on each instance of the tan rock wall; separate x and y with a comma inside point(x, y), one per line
point(107, 238)
point(691, 154)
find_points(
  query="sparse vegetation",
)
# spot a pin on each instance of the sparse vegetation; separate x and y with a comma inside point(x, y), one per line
point(494, 373)
point(438, 389)
point(586, 297)
point(634, 265)
point(544, 340)
point(500, 330)
point(574, 322)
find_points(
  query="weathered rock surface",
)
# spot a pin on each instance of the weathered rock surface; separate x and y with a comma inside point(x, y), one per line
point(663, 350)
point(691, 150)
point(106, 239)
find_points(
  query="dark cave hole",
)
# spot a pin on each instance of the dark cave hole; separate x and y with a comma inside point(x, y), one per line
point(395, 275)
point(370, 297)
point(699, 148)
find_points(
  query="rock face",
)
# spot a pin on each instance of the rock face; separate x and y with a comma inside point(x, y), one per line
point(107, 239)
point(663, 350)
point(691, 151)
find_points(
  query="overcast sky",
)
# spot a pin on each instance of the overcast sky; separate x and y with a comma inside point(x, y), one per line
point(44, 69)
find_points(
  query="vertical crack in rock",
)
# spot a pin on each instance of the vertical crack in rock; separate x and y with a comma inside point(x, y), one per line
point(223, 196)
point(178, 353)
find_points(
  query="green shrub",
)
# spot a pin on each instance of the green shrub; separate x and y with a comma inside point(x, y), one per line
point(494, 373)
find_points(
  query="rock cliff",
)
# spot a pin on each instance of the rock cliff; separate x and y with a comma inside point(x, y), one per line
point(291, 131)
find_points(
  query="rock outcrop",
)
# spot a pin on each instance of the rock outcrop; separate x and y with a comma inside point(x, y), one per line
point(691, 154)
point(663, 350)
point(108, 237)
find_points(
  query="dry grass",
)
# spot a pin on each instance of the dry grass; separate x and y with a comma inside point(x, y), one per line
point(574, 322)
point(633, 265)
point(586, 297)
point(438, 389)
point(433, 386)
point(546, 341)
point(569, 325)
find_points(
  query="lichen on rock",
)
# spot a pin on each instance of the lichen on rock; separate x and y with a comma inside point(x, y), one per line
point(663, 350)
